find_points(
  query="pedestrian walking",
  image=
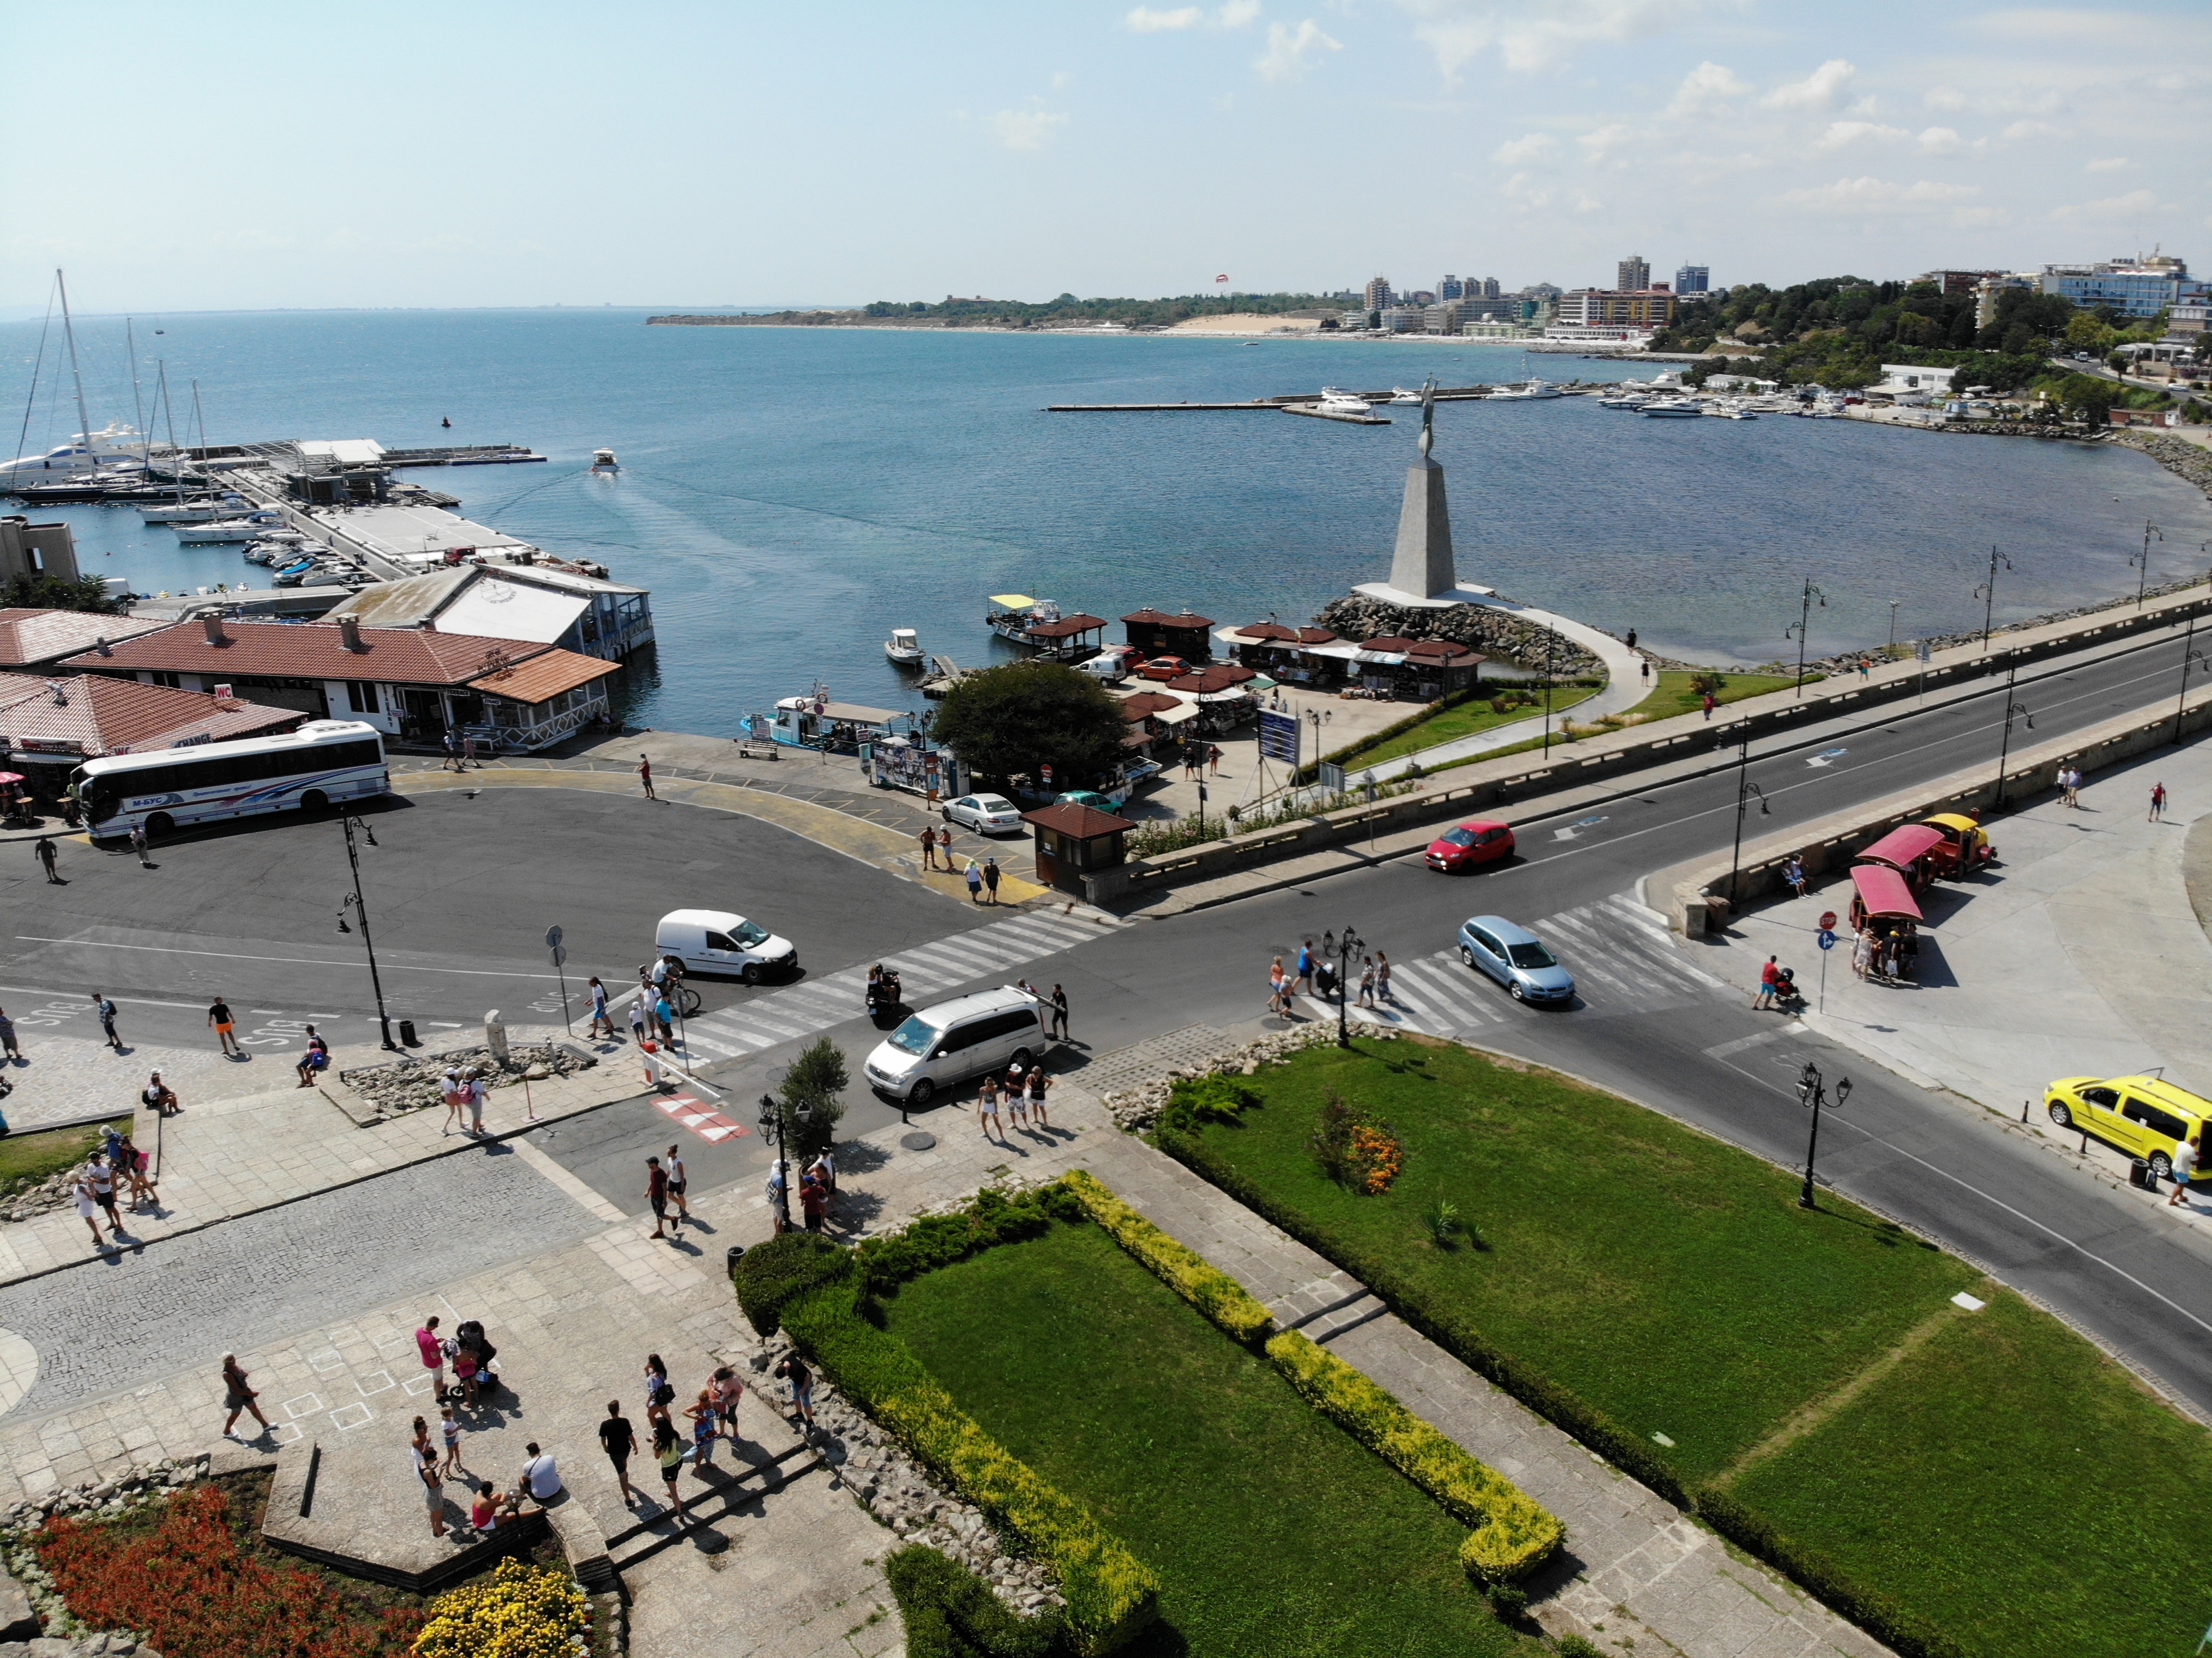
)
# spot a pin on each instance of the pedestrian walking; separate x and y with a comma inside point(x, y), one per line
point(1039, 1085)
point(238, 1398)
point(668, 1451)
point(991, 877)
point(1366, 981)
point(1793, 873)
point(1862, 953)
point(1383, 976)
point(426, 1470)
point(1018, 1105)
point(928, 839)
point(138, 845)
point(226, 1028)
point(601, 1020)
point(102, 1173)
point(1630, 641)
point(704, 1416)
point(986, 1106)
point(159, 1097)
point(468, 754)
point(1866, 667)
point(656, 1193)
point(637, 1016)
point(47, 858)
point(1303, 974)
point(449, 1425)
point(452, 760)
point(729, 1391)
point(106, 1008)
point(1644, 668)
point(7, 1037)
point(619, 1439)
point(477, 1089)
point(793, 1369)
point(974, 882)
point(1769, 976)
point(1059, 1013)
point(676, 1185)
point(453, 1087)
point(1278, 1001)
point(2157, 802)
point(1213, 758)
point(1709, 706)
point(2184, 1170)
point(814, 1201)
point(658, 1393)
point(645, 777)
point(664, 1014)
point(432, 1348)
point(88, 1207)
point(774, 1189)
point(134, 1165)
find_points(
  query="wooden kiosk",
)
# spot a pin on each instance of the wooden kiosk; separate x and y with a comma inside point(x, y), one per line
point(1074, 841)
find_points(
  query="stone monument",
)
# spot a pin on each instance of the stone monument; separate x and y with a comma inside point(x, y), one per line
point(1423, 573)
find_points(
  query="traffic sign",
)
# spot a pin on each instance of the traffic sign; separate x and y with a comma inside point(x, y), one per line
point(1827, 920)
point(1827, 939)
point(552, 938)
point(560, 956)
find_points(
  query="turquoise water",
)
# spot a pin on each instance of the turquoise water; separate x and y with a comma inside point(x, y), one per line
point(791, 494)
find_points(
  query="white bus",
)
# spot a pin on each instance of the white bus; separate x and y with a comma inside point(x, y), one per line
point(324, 760)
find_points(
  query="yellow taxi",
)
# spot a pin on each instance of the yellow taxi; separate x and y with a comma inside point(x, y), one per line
point(2146, 1116)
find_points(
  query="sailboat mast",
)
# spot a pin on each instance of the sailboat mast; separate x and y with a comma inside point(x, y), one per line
point(138, 402)
point(69, 329)
point(169, 408)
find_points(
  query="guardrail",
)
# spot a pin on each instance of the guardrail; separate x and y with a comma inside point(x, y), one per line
point(1498, 783)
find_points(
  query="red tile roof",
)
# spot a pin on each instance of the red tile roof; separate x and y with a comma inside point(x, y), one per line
point(544, 677)
point(1078, 822)
point(315, 650)
point(103, 715)
point(1207, 681)
point(28, 636)
point(1148, 618)
point(1145, 703)
point(1268, 630)
point(1067, 628)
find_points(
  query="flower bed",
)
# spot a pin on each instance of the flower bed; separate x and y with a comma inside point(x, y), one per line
point(518, 1612)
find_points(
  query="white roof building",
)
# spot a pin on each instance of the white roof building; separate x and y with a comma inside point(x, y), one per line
point(579, 613)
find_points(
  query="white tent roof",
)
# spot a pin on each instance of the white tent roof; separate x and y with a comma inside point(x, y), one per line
point(512, 610)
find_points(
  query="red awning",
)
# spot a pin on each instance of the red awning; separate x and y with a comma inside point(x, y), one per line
point(1901, 846)
point(1884, 893)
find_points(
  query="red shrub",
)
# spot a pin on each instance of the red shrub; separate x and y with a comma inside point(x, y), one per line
point(193, 1592)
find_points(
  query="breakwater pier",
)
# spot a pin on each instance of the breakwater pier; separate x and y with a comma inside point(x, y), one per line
point(1282, 403)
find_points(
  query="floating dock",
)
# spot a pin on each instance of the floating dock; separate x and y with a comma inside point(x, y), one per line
point(1287, 401)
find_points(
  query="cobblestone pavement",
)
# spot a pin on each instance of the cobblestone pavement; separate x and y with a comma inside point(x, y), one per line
point(68, 1078)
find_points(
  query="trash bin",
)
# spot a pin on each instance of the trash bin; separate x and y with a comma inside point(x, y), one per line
point(407, 1033)
point(730, 1261)
point(2139, 1175)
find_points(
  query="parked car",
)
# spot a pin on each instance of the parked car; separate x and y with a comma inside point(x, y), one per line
point(1164, 668)
point(2145, 1116)
point(1090, 798)
point(1516, 959)
point(964, 1037)
point(986, 814)
point(719, 941)
point(1111, 664)
point(1478, 840)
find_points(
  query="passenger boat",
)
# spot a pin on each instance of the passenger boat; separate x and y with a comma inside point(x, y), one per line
point(603, 460)
point(904, 647)
point(1013, 615)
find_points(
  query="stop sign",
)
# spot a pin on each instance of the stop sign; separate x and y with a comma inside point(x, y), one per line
point(1827, 920)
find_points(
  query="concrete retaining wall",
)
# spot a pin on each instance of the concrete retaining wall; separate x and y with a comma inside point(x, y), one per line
point(1687, 892)
point(1496, 783)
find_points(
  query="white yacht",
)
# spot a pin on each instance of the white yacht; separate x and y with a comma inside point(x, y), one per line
point(603, 460)
point(1335, 401)
point(1674, 409)
point(123, 447)
point(195, 512)
point(236, 529)
point(904, 647)
point(1533, 391)
point(1622, 402)
point(1400, 394)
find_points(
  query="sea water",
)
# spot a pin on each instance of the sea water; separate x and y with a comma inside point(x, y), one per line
point(791, 494)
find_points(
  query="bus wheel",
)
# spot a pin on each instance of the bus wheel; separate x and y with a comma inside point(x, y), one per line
point(313, 800)
point(160, 823)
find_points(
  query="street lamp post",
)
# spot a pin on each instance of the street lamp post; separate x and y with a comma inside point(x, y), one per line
point(771, 1121)
point(1344, 950)
point(1987, 592)
point(1804, 625)
point(2142, 560)
point(1812, 1093)
point(2189, 653)
point(2004, 747)
point(1744, 790)
point(359, 905)
point(1893, 603)
point(1551, 645)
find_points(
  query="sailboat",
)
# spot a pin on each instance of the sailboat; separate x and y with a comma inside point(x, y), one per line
point(114, 447)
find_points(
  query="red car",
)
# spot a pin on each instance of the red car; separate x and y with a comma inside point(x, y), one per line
point(1164, 668)
point(1478, 840)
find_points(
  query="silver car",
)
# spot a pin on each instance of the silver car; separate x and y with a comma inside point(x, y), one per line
point(986, 814)
point(1516, 959)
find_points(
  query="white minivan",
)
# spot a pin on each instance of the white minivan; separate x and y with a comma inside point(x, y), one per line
point(942, 1045)
point(718, 941)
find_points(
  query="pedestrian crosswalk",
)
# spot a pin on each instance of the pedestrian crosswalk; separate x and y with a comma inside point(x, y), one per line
point(1623, 960)
point(924, 970)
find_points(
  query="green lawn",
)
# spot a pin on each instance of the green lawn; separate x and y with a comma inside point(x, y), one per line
point(26, 1159)
point(1674, 693)
point(1683, 1292)
point(1468, 718)
point(1273, 1533)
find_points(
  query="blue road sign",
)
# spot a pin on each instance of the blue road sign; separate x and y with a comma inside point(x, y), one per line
point(1827, 939)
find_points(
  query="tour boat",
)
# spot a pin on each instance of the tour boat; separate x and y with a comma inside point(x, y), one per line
point(1013, 615)
point(904, 647)
point(603, 460)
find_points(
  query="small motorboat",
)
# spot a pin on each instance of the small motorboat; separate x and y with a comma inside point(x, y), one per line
point(291, 575)
point(1674, 409)
point(904, 647)
point(1534, 390)
point(1400, 394)
point(1336, 401)
point(603, 460)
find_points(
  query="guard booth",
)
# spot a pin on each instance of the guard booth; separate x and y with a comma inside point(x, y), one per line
point(1074, 841)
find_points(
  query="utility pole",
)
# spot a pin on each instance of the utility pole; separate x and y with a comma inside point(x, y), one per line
point(2142, 560)
point(1812, 1093)
point(1745, 789)
point(1804, 625)
point(361, 908)
point(1988, 593)
point(2005, 747)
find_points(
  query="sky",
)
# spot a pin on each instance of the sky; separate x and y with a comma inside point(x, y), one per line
point(243, 156)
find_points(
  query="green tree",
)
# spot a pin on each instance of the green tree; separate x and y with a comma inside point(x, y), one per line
point(2085, 398)
point(1009, 721)
point(49, 592)
point(815, 1082)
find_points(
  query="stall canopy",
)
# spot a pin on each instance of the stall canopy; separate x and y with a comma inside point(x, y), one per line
point(1884, 893)
point(1013, 601)
point(1901, 846)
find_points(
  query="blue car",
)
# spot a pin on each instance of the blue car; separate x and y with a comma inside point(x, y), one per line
point(1516, 959)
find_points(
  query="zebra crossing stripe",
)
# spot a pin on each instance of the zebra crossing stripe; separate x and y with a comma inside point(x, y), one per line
point(692, 1038)
point(1427, 978)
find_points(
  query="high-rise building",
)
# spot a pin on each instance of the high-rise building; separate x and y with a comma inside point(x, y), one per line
point(2135, 287)
point(1645, 308)
point(1451, 287)
point(1635, 273)
point(1379, 296)
point(1693, 279)
point(1489, 288)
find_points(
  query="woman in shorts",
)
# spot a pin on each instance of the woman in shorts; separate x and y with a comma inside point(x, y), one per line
point(986, 1106)
point(668, 1451)
point(1017, 1106)
point(704, 1415)
point(1033, 1091)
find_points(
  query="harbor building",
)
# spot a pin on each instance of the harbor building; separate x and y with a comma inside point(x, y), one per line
point(28, 551)
point(585, 614)
point(33, 640)
point(412, 683)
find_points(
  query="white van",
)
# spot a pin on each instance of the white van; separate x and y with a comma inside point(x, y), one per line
point(939, 1046)
point(1110, 665)
point(718, 941)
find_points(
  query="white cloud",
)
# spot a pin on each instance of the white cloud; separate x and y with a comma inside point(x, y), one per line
point(1238, 13)
point(1816, 91)
point(1840, 133)
point(1289, 51)
point(1523, 149)
point(1607, 139)
point(2019, 130)
point(1063, 80)
point(2112, 209)
point(1944, 98)
point(1940, 141)
point(2108, 164)
point(1145, 20)
point(1707, 84)
point(1530, 41)
point(1026, 129)
point(1862, 195)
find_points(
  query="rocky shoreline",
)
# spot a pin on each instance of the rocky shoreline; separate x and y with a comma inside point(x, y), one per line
point(1484, 628)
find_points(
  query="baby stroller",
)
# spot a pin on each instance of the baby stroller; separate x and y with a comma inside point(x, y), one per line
point(469, 1338)
point(1787, 996)
point(883, 994)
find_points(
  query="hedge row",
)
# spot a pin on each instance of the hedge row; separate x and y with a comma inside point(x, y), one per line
point(1568, 1410)
point(1189, 1274)
point(1111, 1595)
point(770, 1276)
point(1512, 1534)
point(934, 1240)
point(950, 1612)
